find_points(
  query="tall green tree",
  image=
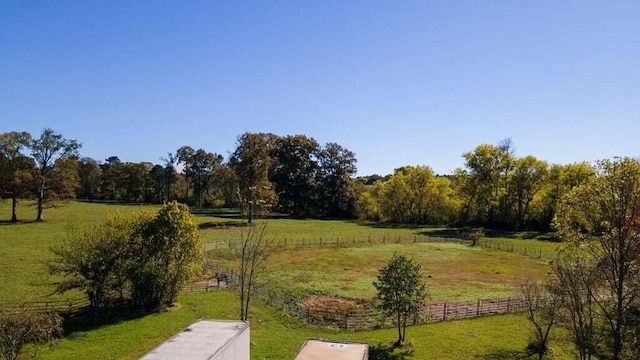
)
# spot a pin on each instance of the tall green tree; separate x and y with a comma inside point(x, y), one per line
point(607, 209)
point(170, 175)
point(560, 180)
point(337, 191)
point(199, 166)
point(165, 251)
point(46, 150)
point(225, 185)
point(251, 162)
point(293, 173)
point(528, 178)
point(484, 184)
point(185, 157)
point(90, 175)
point(401, 291)
point(12, 147)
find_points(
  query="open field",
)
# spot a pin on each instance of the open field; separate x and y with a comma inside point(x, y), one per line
point(24, 247)
point(452, 271)
point(275, 335)
point(457, 272)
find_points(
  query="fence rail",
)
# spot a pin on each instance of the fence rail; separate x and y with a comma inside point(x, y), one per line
point(353, 240)
point(61, 306)
point(518, 249)
point(354, 318)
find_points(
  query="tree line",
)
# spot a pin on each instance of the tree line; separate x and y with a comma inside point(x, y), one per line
point(494, 189)
point(295, 175)
point(290, 174)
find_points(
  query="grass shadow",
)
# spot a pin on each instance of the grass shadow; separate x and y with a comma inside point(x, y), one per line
point(384, 352)
point(505, 355)
point(87, 321)
point(521, 235)
point(222, 224)
point(17, 223)
point(380, 225)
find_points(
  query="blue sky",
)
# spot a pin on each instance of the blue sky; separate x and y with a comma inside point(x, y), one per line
point(397, 82)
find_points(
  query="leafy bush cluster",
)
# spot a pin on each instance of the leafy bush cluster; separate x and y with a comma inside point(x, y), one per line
point(142, 260)
point(19, 327)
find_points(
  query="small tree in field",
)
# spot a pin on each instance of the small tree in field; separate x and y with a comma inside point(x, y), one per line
point(542, 312)
point(401, 291)
point(19, 327)
point(251, 249)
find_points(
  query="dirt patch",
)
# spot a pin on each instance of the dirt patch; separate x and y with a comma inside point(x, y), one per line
point(332, 303)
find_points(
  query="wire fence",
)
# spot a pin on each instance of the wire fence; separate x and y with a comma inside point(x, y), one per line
point(512, 247)
point(338, 241)
point(350, 314)
point(355, 240)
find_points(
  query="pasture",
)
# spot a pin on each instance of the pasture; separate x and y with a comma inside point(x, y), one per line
point(452, 271)
point(276, 335)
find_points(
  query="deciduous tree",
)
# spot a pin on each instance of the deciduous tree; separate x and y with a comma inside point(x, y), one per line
point(542, 313)
point(401, 291)
point(46, 150)
point(250, 249)
point(251, 162)
point(12, 146)
point(603, 217)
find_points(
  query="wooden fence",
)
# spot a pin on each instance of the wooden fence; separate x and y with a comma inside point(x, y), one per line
point(60, 306)
point(371, 318)
point(354, 240)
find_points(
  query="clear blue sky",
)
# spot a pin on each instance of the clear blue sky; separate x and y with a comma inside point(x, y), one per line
point(397, 82)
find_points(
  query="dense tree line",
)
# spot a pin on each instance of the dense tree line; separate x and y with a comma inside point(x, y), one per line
point(494, 189)
point(296, 175)
point(290, 174)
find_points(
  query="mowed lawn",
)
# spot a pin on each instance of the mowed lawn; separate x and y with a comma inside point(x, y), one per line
point(452, 271)
point(276, 335)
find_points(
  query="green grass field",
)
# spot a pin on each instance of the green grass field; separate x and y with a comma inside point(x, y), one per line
point(452, 271)
point(457, 272)
point(276, 335)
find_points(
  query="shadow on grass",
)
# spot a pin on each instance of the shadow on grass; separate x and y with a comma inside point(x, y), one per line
point(17, 223)
point(505, 355)
point(379, 225)
point(222, 224)
point(87, 321)
point(522, 235)
point(384, 352)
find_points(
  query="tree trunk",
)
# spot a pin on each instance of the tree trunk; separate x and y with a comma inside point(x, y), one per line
point(14, 203)
point(399, 342)
point(40, 199)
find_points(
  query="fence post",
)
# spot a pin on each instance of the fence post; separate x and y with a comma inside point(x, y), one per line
point(508, 304)
point(444, 313)
point(478, 307)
